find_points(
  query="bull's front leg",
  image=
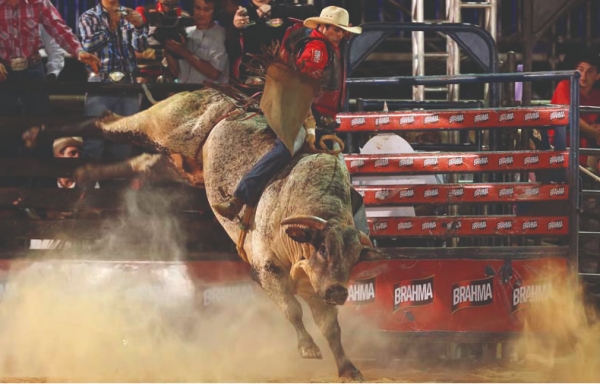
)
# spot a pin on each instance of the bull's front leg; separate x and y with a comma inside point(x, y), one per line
point(325, 316)
point(276, 283)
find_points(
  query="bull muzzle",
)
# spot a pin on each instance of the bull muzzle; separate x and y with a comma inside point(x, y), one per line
point(336, 294)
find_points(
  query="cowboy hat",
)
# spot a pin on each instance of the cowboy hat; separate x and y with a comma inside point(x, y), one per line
point(332, 16)
point(65, 142)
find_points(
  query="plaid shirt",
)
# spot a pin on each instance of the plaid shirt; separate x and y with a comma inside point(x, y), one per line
point(115, 49)
point(20, 33)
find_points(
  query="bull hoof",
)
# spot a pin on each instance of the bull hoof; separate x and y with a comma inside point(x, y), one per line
point(351, 373)
point(310, 351)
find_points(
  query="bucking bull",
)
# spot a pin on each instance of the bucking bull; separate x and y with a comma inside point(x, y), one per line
point(302, 240)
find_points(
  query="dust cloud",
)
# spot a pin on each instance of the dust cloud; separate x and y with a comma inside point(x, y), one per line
point(561, 337)
point(83, 318)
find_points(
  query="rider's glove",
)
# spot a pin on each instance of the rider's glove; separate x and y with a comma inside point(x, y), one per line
point(311, 138)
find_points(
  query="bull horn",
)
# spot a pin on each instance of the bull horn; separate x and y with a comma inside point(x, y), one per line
point(312, 222)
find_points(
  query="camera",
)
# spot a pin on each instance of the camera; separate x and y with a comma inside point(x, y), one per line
point(123, 12)
point(169, 26)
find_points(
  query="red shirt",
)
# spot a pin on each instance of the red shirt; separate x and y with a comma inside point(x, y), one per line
point(562, 95)
point(314, 57)
point(20, 33)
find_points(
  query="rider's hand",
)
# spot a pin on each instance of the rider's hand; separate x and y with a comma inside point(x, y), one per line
point(311, 138)
point(241, 19)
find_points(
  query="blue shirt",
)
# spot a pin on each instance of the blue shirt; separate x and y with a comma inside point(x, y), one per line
point(116, 50)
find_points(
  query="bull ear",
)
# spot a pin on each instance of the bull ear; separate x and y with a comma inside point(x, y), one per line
point(299, 234)
point(370, 254)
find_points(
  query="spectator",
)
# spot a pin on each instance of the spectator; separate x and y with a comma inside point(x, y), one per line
point(203, 54)
point(150, 61)
point(115, 33)
point(588, 64)
point(65, 147)
point(262, 24)
point(19, 52)
point(55, 61)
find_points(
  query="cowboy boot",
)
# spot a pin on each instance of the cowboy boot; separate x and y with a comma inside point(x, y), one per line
point(229, 208)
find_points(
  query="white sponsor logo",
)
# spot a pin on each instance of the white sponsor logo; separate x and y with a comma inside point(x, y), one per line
point(428, 225)
point(531, 294)
point(405, 120)
point(506, 160)
point(430, 162)
point(382, 194)
point(381, 163)
point(531, 160)
point(558, 224)
point(481, 192)
point(406, 162)
point(414, 294)
point(504, 225)
point(431, 119)
point(479, 225)
point(510, 116)
point(357, 163)
point(557, 159)
point(457, 192)
point(532, 116)
point(380, 225)
point(506, 192)
point(472, 293)
point(558, 191)
point(382, 120)
point(238, 293)
point(557, 115)
point(456, 118)
point(405, 226)
point(532, 191)
point(361, 291)
point(407, 193)
point(431, 192)
point(455, 161)
point(481, 160)
point(357, 121)
point(482, 117)
point(533, 224)
point(338, 120)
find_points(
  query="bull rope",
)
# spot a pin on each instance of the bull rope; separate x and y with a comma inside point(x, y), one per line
point(244, 227)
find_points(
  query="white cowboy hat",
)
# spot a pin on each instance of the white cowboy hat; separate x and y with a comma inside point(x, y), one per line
point(332, 16)
point(65, 142)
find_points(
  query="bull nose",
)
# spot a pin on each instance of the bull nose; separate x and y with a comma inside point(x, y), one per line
point(336, 294)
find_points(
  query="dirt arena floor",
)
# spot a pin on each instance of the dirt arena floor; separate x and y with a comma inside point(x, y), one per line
point(92, 322)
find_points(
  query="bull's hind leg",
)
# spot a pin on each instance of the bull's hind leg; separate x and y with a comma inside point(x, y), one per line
point(325, 316)
point(275, 282)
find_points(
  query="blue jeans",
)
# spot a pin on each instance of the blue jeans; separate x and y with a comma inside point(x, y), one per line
point(124, 104)
point(36, 103)
point(254, 182)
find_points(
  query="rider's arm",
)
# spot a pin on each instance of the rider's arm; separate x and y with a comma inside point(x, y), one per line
point(313, 59)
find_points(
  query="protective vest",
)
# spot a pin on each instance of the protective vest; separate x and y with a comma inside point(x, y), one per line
point(328, 100)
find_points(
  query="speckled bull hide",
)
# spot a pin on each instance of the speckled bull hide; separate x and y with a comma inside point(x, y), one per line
point(302, 241)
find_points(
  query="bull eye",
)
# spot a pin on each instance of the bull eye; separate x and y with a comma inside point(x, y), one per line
point(323, 250)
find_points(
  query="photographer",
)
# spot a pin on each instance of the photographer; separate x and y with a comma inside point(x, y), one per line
point(262, 24)
point(202, 54)
point(154, 16)
point(115, 33)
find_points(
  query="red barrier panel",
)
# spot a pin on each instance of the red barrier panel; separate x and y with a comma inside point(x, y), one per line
point(453, 119)
point(456, 162)
point(451, 295)
point(467, 226)
point(460, 193)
